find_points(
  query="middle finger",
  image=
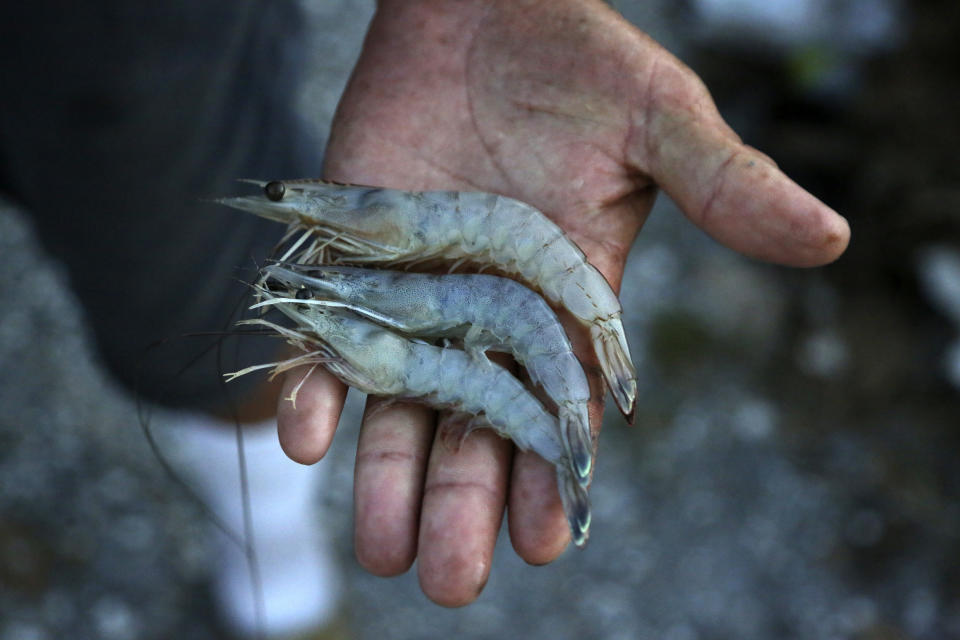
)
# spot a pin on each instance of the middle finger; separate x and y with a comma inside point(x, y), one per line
point(463, 502)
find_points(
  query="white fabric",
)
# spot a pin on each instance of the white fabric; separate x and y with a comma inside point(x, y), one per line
point(300, 581)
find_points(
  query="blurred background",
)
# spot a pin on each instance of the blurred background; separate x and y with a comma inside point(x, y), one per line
point(793, 469)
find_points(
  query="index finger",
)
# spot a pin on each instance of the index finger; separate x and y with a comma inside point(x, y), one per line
point(306, 427)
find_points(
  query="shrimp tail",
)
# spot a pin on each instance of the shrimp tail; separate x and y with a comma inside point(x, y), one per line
point(610, 345)
point(576, 506)
point(575, 430)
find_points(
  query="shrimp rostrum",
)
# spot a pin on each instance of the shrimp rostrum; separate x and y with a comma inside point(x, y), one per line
point(377, 361)
point(487, 312)
point(386, 227)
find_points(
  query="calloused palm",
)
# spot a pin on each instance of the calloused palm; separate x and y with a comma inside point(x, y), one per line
point(563, 105)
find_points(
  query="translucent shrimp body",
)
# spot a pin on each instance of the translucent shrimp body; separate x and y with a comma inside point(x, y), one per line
point(369, 225)
point(377, 361)
point(488, 312)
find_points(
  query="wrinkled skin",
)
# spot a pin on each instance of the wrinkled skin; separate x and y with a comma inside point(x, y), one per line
point(563, 105)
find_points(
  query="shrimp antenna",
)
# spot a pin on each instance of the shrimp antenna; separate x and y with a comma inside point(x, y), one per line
point(243, 540)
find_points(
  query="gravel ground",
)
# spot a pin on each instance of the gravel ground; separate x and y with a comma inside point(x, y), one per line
point(791, 475)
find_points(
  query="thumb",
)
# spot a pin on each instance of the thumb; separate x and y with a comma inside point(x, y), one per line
point(730, 190)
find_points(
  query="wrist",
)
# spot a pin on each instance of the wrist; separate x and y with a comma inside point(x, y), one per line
point(435, 6)
point(432, 8)
point(466, 9)
point(428, 36)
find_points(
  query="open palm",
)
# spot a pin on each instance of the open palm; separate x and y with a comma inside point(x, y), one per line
point(565, 106)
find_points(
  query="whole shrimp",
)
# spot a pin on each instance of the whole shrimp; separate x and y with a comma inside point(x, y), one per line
point(379, 362)
point(372, 225)
point(488, 312)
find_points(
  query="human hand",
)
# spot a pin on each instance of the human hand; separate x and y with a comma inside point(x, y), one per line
point(564, 105)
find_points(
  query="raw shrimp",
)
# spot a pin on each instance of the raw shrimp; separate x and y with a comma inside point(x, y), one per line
point(371, 225)
point(488, 312)
point(377, 361)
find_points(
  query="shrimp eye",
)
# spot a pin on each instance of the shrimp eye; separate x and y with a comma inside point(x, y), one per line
point(303, 294)
point(274, 190)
